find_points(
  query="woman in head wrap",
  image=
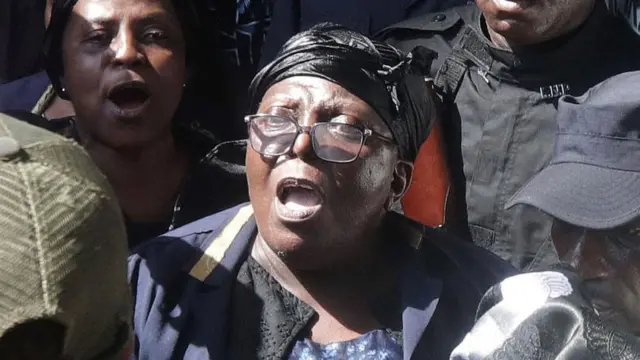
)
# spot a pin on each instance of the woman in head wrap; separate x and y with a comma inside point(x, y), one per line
point(317, 266)
point(128, 67)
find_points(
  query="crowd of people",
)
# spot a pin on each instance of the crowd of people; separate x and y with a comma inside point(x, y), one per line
point(192, 179)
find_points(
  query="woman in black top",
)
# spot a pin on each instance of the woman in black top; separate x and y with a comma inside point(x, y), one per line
point(130, 67)
point(317, 266)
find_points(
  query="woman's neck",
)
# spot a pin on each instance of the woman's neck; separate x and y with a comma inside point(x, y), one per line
point(146, 180)
point(351, 274)
point(341, 297)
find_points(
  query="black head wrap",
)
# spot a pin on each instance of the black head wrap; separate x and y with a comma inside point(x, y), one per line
point(188, 14)
point(394, 84)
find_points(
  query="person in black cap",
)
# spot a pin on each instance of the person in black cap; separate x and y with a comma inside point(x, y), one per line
point(317, 257)
point(502, 66)
point(592, 189)
point(589, 307)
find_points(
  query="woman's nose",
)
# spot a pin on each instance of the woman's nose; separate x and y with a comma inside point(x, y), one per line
point(126, 49)
point(303, 146)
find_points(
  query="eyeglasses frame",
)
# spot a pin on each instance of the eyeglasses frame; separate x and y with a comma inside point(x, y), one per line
point(301, 129)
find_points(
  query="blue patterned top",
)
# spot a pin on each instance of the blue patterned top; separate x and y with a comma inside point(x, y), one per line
point(374, 345)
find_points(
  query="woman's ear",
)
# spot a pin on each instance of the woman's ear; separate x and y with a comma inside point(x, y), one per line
point(402, 174)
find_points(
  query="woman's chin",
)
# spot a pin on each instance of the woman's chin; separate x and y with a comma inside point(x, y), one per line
point(286, 246)
point(126, 139)
point(296, 252)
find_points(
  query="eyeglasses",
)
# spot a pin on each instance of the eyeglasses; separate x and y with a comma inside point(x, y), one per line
point(274, 135)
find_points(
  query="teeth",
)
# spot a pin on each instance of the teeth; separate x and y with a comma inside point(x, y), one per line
point(293, 183)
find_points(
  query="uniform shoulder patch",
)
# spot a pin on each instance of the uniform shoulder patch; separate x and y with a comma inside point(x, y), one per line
point(216, 250)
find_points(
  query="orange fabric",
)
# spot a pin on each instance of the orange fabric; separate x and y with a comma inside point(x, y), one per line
point(426, 199)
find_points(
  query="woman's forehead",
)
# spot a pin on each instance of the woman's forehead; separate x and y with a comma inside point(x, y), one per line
point(311, 89)
point(315, 93)
point(97, 11)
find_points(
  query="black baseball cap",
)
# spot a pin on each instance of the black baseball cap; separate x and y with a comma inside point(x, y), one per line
point(593, 180)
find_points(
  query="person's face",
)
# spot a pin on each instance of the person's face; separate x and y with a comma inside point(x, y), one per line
point(527, 22)
point(124, 64)
point(609, 262)
point(312, 212)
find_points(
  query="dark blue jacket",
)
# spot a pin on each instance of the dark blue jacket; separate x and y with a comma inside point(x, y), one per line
point(184, 283)
point(24, 93)
point(21, 34)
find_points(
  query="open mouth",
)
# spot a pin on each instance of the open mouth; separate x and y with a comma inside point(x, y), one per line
point(297, 199)
point(130, 98)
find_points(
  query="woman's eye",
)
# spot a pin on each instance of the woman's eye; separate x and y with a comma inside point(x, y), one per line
point(280, 127)
point(346, 132)
point(155, 35)
point(98, 38)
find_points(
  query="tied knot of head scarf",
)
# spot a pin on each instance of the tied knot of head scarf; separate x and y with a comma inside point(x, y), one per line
point(393, 83)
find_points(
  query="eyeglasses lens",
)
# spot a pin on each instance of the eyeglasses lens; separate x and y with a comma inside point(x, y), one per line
point(335, 142)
